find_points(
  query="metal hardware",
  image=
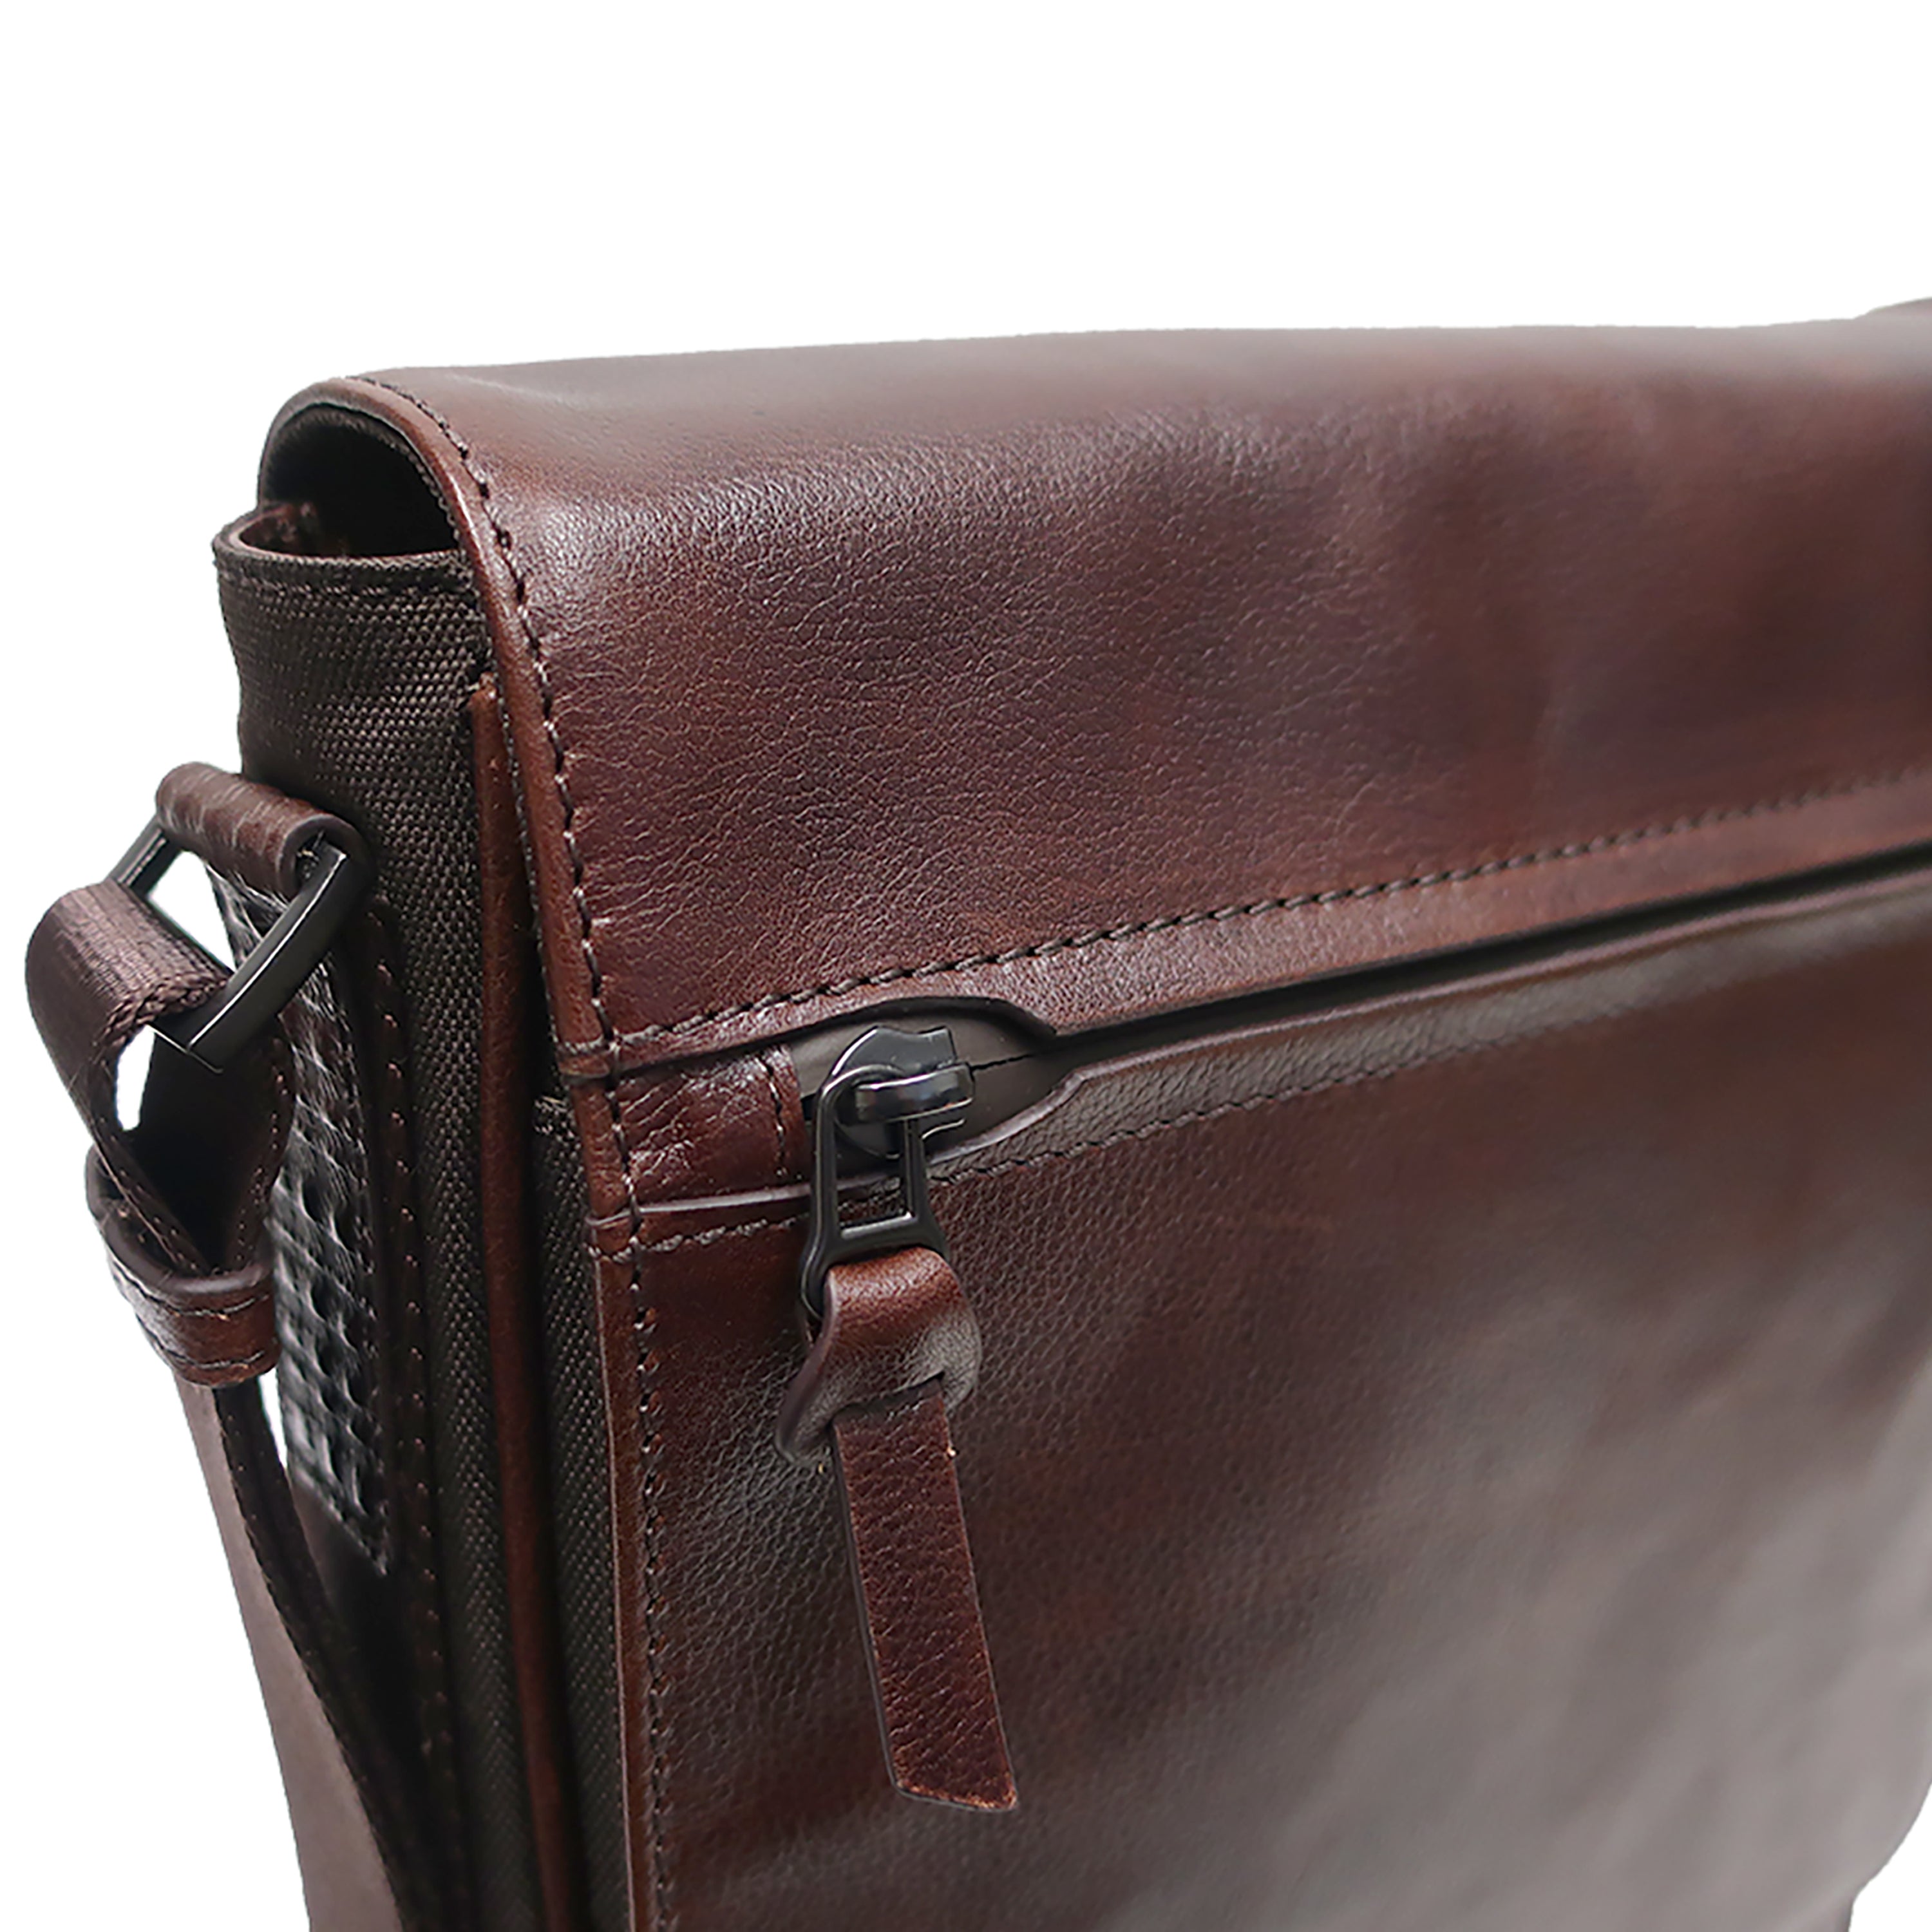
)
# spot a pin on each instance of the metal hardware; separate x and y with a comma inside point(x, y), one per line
point(331, 881)
point(1015, 1062)
point(890, 1092)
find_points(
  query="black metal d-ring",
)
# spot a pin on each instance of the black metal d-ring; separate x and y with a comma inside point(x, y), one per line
point(332, 879)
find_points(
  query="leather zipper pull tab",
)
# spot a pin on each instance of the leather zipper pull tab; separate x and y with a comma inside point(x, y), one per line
point(897, 1345)
point(894, 1347)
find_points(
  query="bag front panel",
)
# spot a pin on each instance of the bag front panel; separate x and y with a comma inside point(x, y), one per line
point(1451, 1464)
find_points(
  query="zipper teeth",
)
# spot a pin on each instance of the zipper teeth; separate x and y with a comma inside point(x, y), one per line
point(1514, 949)
point(781, 1206)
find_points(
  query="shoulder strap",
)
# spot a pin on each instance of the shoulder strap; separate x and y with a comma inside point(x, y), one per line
point(181, 1198)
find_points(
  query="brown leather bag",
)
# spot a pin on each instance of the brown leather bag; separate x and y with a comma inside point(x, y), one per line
point(1246, 1017)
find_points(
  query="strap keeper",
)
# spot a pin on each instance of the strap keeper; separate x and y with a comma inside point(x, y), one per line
point(211, 1329)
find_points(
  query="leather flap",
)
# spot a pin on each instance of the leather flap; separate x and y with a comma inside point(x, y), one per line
point(1105, 674)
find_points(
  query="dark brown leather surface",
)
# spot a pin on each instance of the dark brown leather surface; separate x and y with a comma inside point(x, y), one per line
point(925, 1643)
point(247, 832)
point(892, 1323)
point(897, 1351)
point(1453, 1466)
point(1205, 661)
point(1457, 1466)
point(212, 1329)
point(1456, 1462)
point(356, 1877)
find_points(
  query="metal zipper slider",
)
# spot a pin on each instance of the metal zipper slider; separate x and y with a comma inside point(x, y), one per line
point(894, 1346)
point(886, 1095)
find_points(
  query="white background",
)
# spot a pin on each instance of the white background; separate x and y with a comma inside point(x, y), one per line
point(205, 207)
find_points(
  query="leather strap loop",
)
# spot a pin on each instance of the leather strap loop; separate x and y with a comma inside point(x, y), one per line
point(897, 1344)
point(892, 1323)
point(210, 1329)
point(244, 831)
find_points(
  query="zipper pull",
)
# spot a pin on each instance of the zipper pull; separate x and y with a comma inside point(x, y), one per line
point(893, 1343)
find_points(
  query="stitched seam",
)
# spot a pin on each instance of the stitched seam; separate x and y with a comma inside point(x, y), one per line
point(1149, 1129)
point(644, 1317)
point(332, 596)
point(172, 1344)
point(191, 1368)
point(1413, 881)
point(175, 1312)
point(765, 1063)
point(420, 583)
point(263, 1186)
point(415, 1520)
